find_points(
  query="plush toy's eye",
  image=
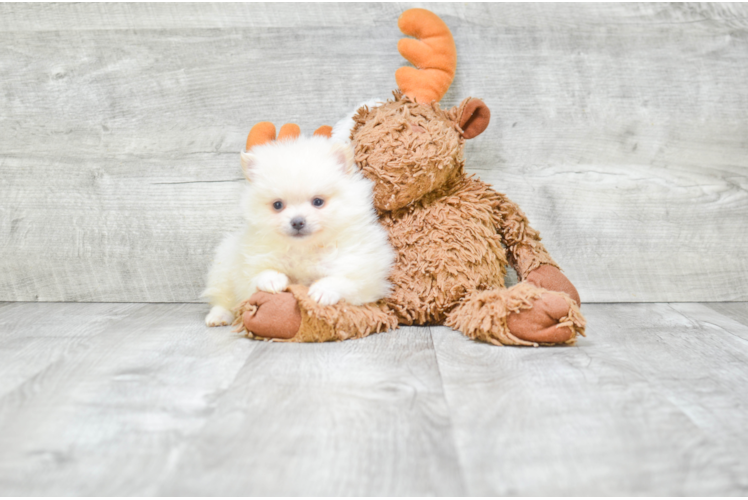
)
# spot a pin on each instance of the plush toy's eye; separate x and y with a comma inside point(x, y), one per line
point(278, 205)
point(318, 202)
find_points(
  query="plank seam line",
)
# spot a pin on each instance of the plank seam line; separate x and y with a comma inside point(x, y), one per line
point(460, 462)
point(182, 447)
point(742, 321)
point(722, 329)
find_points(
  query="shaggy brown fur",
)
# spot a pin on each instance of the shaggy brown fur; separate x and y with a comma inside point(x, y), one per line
point(452, 233)
point(453, 236)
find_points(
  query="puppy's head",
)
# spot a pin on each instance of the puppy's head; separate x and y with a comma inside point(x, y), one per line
point(298, 188)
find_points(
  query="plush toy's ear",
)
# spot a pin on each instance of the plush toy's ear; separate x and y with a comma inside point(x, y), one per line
point(474, 118)
point(344, 156)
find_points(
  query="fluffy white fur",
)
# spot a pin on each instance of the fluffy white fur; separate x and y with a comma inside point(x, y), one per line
point(341, 252)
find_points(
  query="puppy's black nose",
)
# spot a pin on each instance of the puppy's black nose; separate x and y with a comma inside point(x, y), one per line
point(298, 223)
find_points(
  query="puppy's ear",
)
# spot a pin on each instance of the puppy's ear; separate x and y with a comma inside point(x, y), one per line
point(248, 163)
point(343, 154)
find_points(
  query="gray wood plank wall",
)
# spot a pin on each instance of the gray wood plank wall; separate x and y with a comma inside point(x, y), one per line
point(620, 129)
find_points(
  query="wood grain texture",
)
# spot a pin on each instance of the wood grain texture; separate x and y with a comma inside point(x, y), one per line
point(30, 17)
point(619, 129)
point(95, 398)
point(652, 403)
point(350, 418)
point(143, 399)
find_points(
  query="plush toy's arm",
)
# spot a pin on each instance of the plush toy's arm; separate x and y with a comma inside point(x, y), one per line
point(294, 317)
point(525, 251)
point(526, 254)
point(542, 309)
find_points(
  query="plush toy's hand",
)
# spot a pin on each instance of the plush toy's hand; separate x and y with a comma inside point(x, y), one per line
point(550, 278)
point(277, 315)
point(545, 322)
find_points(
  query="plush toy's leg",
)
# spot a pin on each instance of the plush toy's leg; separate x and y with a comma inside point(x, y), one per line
point(521, 315)
point(294, 317)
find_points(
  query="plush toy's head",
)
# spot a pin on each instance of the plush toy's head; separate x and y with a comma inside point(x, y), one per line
point(410, 149)
point(409, 146)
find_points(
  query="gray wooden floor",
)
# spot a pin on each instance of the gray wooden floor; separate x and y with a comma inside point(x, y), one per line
point(142, 399)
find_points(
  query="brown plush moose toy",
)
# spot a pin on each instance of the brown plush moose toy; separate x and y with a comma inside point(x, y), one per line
point(452, 233)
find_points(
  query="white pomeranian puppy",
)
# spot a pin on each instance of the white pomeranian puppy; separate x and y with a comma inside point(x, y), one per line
point(310, 220)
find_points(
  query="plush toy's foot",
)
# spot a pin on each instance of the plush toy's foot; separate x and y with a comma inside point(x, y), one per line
point(552, 279)
point(270, 315)
point(521, 315)
point(549, 321)
point(295, 317)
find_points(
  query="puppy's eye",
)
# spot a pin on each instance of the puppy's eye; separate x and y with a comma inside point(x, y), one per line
point(278, 205)
point(318, 202)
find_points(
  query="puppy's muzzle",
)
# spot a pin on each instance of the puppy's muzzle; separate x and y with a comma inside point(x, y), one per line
point(298, 223)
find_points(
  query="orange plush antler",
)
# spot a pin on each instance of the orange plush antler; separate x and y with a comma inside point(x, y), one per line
point(289, 131)
point(433, 53)
point(264, 132)
point(260, 134)
point(324, 131)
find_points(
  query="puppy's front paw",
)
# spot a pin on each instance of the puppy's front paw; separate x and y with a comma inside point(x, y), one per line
point(219, 316)
point(324, 294)
point(272, 281)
